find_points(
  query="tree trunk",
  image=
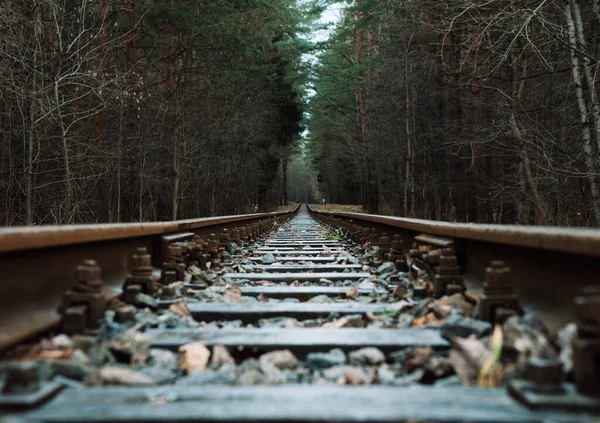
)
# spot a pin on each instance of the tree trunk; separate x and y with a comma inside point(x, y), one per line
point(284, 183)
point(65, 151)
point(587, 70)
point(581, 102)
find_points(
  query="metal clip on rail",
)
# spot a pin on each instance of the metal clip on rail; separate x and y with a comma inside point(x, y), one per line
point(23, 384)
point(83, 306)
point(543, 386)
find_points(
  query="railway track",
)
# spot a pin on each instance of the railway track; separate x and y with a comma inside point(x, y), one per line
point(303, 316)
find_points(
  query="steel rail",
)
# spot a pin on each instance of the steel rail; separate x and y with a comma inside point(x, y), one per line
point(37, 263)
point(549, 265)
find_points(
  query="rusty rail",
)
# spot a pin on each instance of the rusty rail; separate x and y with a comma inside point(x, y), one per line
point(549, 265)
point(37, 263)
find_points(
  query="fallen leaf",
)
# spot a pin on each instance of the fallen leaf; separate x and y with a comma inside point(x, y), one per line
point(194, 356)
point(232, 295)
point(336, 324)
point(467, 356)
point(263, 298)
point(352, 293)
point(208, 264)
point(54, 354)
point(491, 370)
point(428, 319)
point(180, 308)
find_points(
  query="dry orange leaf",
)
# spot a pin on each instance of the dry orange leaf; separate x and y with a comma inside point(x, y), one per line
point(428, 319)
point(54, 354)
point(194, 356)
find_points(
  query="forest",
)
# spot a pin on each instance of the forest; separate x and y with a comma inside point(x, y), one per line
point(461, 110)
point(128, 110)
point(458, 110)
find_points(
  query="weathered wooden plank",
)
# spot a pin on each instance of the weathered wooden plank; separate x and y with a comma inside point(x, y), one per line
point(291, 403)
point(252, 313)
point(302, 242)
point(293, 252)
point(297, 249)
point(302, 268)
point(300, 292)
point(301, 340)
point(289, 277)
point(315, 259)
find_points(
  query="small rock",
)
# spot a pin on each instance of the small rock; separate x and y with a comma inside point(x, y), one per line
point(336, 372)
point(122, 376)
point(224, 376)
point(366, 356)
point(233, 324)
point(145, 300)
point(208, 296)
point(410, 379)
point(273, 375)
point(319, 360)
point(251, 377)
point(221, 356)
point(324, 281)
point(277, 322)
point(130, 347)
point(175, 321)
point(385, 375)
point(164, 359)
point(352, 293)
point(355, 321)
point(291, 376)
point(145, 318)
point(446, 304)
point(527, 337)
point(320, 299)
point(564, 338)
point(366, 284)
point(268, 259)
point(404, 320)
point(387, 267)
point(62, 341)
point(457, 325)
point(417, 358)
point(437, 368)
point(310, 323)
point(354, 376)
point(365, 299)
point(281, 359)
point(83, 342)
point(233, 295)
point(399, 356)
point(248, 300)
point(79, 357)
